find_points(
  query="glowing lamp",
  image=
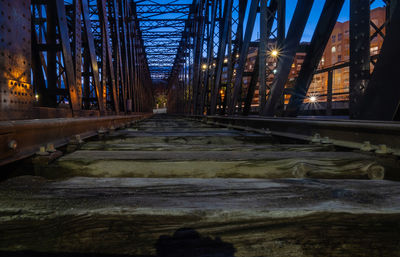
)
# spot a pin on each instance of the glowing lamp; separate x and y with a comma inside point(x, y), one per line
point(313, 99)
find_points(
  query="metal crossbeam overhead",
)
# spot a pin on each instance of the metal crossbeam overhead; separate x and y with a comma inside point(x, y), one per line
point(162, 24)
point(158, 9)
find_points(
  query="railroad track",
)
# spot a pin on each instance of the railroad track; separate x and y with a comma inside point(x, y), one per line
point(170, 185)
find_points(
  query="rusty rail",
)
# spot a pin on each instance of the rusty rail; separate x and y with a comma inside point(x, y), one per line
point(372, 136)
point(23, 138)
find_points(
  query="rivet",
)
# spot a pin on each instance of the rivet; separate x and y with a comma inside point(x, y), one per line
point(366, 146)
point(382, 149)
point(42, 151)
point(12, 145)
point(50, 148)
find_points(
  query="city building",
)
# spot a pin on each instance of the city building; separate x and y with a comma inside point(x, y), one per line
point(337, 52)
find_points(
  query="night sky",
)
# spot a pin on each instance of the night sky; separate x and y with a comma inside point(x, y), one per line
point(315, 13)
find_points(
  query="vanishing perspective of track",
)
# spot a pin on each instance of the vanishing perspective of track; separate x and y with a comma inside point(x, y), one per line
point(170, 186)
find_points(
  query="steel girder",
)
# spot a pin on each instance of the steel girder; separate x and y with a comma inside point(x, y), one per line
point(290, 46)
point(144, 10)
point(243, 55)
point(226, 27)
point(204, 88)
point(261, 59)
point(162, 25)
point(381, 98)
point(86, 55)
point(315, 51)
point(359, 52)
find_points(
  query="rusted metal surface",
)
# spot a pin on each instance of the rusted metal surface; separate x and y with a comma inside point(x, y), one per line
point(16, 92)
point(22, 138)
point(374, 136)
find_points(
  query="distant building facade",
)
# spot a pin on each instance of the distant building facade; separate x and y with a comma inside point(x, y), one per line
point(337, 52)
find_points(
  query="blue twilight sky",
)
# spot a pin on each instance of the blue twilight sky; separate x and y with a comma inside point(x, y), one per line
point(314, 16)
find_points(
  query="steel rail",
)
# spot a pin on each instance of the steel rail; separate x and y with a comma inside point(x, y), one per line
point(23, 138)
point(375, 136)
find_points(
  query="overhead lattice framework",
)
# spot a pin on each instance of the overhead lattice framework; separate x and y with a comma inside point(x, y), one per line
point(162, 24)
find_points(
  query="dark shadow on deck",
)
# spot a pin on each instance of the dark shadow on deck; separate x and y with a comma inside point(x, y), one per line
point(185, 242)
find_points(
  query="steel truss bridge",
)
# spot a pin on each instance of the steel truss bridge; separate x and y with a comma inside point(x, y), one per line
point(81, 60)
point(217, 42)
point(89, 168)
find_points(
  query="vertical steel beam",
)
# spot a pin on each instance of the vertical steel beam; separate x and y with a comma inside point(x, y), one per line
point(210, 54)
point(243, 54)
point(281, 24)
point(381, 99)
point(124, 51)
point(234, 46)
point(259, 71)
point(288, 52)
point(92, 54)
point(109, 68)
point(252, 85)
point(315, 50)
point(359, 53)
point(77, 46)
point(198, 43)
point(51, 54)
point(329, 93)
point(262, 50)
point(74, 91)
point(221, 53)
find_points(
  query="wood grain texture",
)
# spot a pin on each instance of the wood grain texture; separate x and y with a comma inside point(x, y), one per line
point(287, 217)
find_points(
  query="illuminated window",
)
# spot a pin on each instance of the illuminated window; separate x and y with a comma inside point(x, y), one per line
point(333, 49)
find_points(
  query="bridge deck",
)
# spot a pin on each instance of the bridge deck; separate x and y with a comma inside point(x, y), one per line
point(172, 187)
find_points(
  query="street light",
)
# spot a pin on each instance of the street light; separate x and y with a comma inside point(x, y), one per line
point(274, 53)
point(313, 99)
point(204, 67)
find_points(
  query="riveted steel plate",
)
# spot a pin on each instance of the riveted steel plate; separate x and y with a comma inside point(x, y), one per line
point(16, 92)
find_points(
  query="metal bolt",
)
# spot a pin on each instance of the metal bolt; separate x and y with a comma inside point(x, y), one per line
point(50, 148)
point(382, 149)
point(102, 131)
point(316, 138)
point(78, 139)
point(366, 146)
point(267, 131)
point(42, 151)
point(326, 140)
point(12, 145)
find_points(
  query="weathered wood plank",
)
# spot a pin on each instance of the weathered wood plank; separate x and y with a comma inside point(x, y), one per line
point(83, 155)
point(99, 145)
point(216, 164)
point(233, 217)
